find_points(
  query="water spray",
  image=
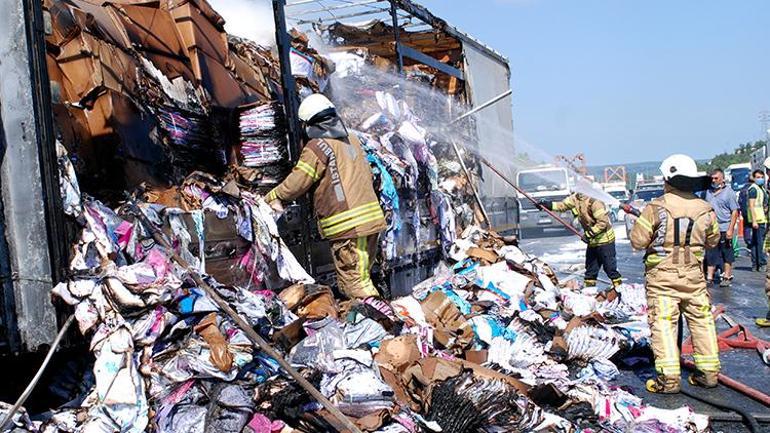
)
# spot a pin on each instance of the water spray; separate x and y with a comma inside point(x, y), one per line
point(530, 198)
point(483, 106)
point(497, 172)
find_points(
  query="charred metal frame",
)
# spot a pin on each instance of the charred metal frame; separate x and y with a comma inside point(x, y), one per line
point(33, 223)
point(399, 9)
point(291, 106)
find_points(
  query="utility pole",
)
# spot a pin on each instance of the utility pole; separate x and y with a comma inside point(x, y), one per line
point(764, 120)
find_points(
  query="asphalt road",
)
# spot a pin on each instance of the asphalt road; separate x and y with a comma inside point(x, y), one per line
point(744, 301)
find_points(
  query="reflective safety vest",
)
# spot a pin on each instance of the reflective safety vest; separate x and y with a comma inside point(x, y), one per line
point(675, 231)
point(592, 215)
point(759, 208)
point(343, 193)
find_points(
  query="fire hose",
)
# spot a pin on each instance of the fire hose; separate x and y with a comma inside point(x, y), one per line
point(551, 213)
point(727, 381)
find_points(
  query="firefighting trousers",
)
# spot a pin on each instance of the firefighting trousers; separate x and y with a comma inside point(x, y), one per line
point(601, 256)
point(669, 294)
point(353, 260)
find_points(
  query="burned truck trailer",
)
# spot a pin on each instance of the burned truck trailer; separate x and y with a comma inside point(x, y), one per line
point(405, 43)
point(64, 75)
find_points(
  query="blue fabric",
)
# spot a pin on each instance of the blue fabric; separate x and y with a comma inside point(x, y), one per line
point(187, 304)
point(461, 303)
point(724, 203)
point(496, 327)
point(388, 192)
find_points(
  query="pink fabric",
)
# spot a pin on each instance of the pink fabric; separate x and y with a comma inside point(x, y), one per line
point(124, 232)
point(262, 424)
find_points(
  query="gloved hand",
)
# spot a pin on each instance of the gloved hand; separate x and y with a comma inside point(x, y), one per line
point(586, 236)
point(545, 204)
point(627, 208)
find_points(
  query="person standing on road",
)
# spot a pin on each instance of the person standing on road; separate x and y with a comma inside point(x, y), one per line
point(598, 234)
point(674, 230)
point(765, 322)
point(722, 199)
point(334, 165)
point(743, 203)
point(757, 213)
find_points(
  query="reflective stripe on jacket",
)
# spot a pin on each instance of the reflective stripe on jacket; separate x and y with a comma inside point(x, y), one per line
point(592, 215)
point(759, 208)
point(675, 230)
point(344, 199)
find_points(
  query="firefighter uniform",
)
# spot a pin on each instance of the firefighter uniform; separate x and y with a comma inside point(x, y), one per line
point(600, 253)
point(675, 230)
point(347, 208)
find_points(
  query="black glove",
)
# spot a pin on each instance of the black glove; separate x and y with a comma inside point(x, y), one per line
point(545, 204)
point(584, 238)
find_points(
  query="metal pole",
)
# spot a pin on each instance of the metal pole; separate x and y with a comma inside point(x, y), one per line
point(243, 324)
point(288, 85)
point(33, 383)
point(290, 107)
point(470, 182)
point(397, 37)
point(483, 106)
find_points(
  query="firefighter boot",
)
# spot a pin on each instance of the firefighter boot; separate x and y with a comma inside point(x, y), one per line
point(663, 385)
point(764, 323)
point(704, 380)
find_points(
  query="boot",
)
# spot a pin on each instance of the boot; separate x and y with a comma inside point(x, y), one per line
point(704, 380)
point(663, 385)
point(764, 323)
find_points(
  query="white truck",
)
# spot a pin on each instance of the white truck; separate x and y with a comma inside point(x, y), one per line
point(619, 191)
point(737, 175)
point(546, 182)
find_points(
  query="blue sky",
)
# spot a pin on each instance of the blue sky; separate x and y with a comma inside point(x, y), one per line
point(625, 81)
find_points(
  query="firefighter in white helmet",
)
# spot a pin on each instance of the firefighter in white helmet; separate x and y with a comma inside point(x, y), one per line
point(674, 230)
point(334, 165)
point(765, 322)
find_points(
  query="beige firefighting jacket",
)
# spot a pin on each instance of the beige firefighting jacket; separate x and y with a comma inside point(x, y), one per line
point(592, 215)
point(344, 199)
point(675, 230)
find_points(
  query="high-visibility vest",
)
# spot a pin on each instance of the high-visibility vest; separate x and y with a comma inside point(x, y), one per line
point(759, 206)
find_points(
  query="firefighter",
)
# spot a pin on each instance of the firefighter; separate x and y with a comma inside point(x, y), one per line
point(334, 165)
point(674, 230)
point(598, 234)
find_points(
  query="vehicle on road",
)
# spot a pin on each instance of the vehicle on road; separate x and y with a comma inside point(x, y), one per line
point(738, 175)
point(547, 182)
point(616, 190)
point(645, 193)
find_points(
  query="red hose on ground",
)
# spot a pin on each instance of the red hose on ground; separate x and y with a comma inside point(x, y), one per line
point(735, 385)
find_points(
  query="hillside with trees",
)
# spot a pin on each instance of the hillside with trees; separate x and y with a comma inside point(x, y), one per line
point(741, 154)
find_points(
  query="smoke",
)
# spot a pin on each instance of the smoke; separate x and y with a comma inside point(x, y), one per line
point(250, 19)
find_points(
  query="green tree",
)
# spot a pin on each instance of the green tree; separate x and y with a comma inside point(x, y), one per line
point(742, 154)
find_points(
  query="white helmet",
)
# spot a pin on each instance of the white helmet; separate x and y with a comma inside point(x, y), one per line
point(679, 165)
point(312, 105)
point(767, 163)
